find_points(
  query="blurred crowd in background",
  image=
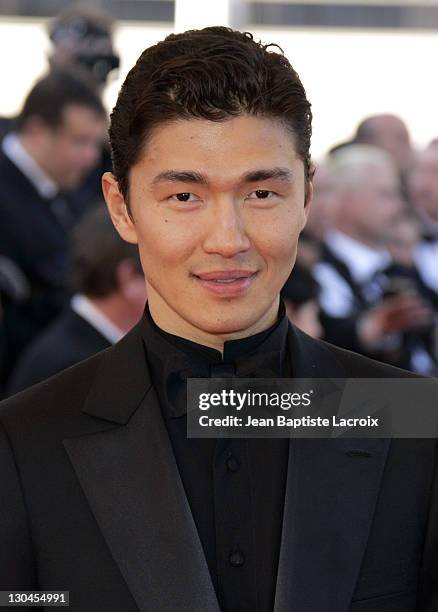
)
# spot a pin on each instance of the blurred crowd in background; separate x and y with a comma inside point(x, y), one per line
point(366, 276)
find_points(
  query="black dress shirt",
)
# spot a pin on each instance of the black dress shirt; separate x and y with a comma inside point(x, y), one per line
point(235, 487)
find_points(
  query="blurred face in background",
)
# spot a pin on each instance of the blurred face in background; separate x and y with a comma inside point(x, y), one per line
point(423, 182)
point(391, 134)
point(366, 210)
point(70, 150)
point(131, 289)
point(322, 211)
point(403, 237)
point(217, 208)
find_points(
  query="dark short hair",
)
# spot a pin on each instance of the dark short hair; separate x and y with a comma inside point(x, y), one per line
point(53, 93)
point(214, 73)
point(97, 251)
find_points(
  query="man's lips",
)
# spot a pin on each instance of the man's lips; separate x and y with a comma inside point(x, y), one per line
point(226, 275)
point(227, 283)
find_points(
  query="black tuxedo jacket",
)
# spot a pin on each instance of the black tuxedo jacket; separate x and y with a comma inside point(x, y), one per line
point(92, 501)
point(36, 239)
point(342, 331)
point(68, 340)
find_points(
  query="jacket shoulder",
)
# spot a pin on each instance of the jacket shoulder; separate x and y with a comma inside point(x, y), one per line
point(359, 366)
point(326, 359)
point(54, 399)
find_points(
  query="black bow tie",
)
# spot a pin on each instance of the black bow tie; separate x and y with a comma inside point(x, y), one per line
point(174, 360)
point(178, 368)
point(259, 364)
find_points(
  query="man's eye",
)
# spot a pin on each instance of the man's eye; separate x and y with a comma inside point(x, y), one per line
point(184, 197)
point(260, 194)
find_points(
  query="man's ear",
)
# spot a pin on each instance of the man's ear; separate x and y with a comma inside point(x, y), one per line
point(118, 209)
point(35, 126)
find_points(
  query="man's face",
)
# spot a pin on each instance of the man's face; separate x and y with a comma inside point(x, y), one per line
point(211, 202)
point(423, 182)
point(73, 148)
point(323, 210)
point(375, 203)
point(403, 237)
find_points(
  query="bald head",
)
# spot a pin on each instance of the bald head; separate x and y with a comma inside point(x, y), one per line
point(388, 132)
point(367, 191)
point(351, 167)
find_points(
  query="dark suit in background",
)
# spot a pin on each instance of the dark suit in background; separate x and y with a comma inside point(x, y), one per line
point(34, 234)
point(103, 511)
point(357, 298)
point(412, 349)
point(68, 340)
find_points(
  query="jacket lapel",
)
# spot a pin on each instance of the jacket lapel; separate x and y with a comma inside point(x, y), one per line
point(131, 481)
point(331, 493)
point(127, 469)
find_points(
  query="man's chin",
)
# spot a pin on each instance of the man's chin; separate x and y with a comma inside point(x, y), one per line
point(237, 324)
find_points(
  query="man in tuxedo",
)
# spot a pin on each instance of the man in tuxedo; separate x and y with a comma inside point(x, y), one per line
point(58, 137)
point(361, 310)
point(103, 493)
point(109, 299)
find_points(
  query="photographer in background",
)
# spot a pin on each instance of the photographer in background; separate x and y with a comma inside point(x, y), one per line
point(82, 43)
point(82, 40)
point(109, 299)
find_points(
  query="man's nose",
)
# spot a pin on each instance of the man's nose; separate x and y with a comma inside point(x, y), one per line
point(226, 233)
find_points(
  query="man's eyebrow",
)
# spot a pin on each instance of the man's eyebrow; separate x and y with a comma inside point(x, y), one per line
point(191, 176)
point(179, 176)
point(254, 176)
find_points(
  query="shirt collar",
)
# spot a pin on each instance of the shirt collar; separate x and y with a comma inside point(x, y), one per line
point(166, 351)
point(362, 260)
point(15, 151)
point(85, 308)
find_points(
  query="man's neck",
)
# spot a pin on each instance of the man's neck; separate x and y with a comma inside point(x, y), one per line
point(22, 157)
point(169, 321)
point(362, 260)
point(91, 311)
point(116, 310)
point(35, 153)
